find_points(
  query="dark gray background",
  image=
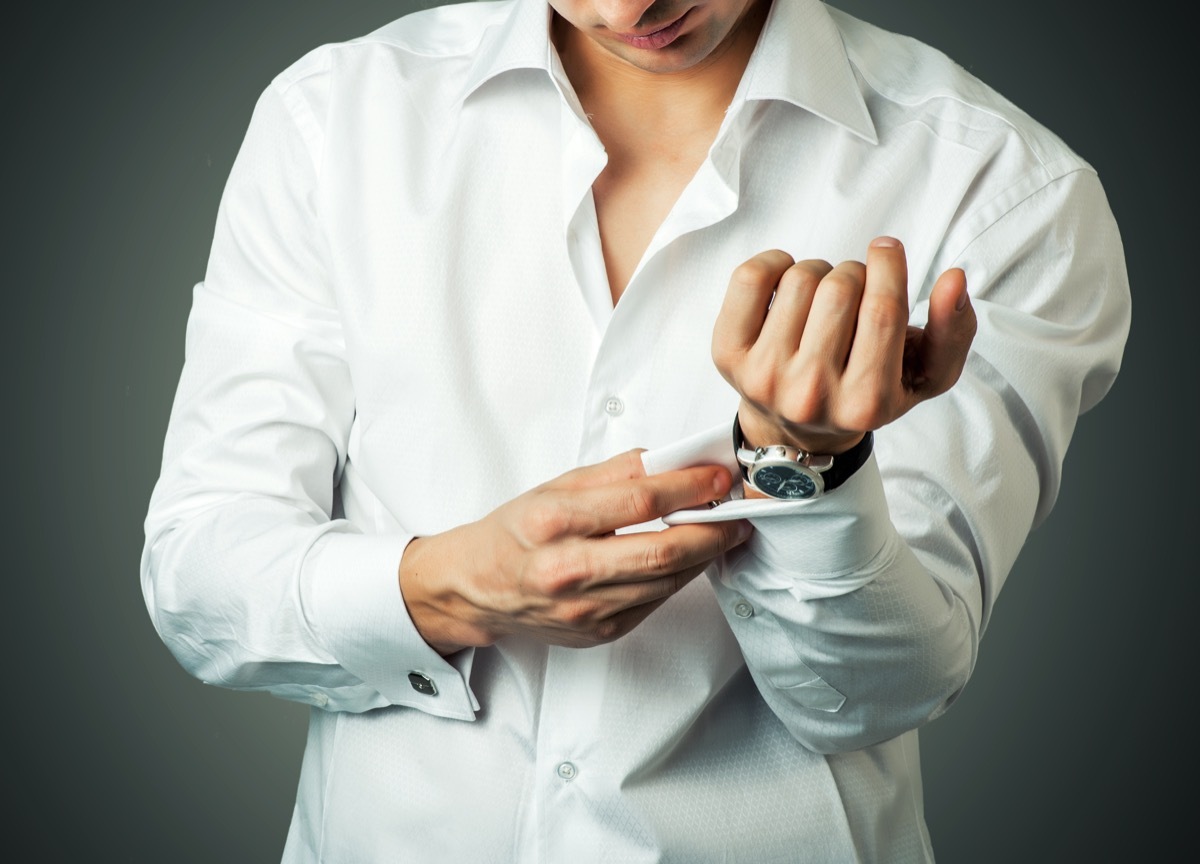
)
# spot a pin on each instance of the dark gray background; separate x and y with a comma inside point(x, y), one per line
point(121, 123)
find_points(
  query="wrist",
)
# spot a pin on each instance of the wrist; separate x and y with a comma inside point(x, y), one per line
point(759, 430)
point(791, 473)
point(436, 611)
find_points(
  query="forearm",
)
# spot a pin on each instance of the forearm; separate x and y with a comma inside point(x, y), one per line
point(226, 594)
point(254, 593)
point(852, 636)
point(849, 670)
point(881, 602)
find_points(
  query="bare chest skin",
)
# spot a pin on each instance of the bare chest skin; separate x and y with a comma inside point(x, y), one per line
point(656, 114)
point(634, 194)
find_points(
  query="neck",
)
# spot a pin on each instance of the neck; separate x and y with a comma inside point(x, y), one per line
point(627, 100)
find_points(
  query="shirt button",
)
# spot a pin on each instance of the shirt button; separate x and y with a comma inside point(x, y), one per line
point(422, 684)
point(320, 700)
point(567, 771)
point(742, 609)
point(614, 407)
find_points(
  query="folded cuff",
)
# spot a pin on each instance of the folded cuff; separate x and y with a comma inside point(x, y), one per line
point(822, 547)
point(352, 588)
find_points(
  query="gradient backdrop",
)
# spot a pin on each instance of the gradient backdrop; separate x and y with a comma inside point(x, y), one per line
point(123, 119)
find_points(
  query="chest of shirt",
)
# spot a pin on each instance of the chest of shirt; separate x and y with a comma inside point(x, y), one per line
point(484, 350)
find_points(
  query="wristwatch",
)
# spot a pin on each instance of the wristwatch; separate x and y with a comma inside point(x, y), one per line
point(790, 474)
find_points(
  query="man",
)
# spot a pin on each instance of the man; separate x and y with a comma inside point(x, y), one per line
point(467, 268)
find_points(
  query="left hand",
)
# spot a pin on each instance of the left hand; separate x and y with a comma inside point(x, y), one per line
point(821, 354)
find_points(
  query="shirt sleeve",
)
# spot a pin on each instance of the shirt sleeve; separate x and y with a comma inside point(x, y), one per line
point(253, 579)
point(860, 613)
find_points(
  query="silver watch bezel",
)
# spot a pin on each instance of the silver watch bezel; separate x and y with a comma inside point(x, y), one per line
point(780, 456)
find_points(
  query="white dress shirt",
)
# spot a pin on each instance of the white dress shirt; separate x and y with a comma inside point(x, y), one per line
point(406, 322)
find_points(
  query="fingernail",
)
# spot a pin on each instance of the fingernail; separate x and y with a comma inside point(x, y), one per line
point(721, 483)
point(885, 243)
point(962, 301)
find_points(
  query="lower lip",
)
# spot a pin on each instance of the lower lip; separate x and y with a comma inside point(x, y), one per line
point(659, 38)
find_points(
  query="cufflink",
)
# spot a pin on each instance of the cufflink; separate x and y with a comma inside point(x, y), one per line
point(422, 684)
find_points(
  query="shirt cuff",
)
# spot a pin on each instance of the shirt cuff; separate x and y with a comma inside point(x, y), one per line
point(817, 548)
point(352, 588)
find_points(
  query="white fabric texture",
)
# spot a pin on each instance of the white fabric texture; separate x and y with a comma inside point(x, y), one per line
point(406, 322)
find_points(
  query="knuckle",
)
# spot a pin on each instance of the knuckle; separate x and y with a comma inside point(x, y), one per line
point(731, 535)
point(883, 312)
point(579, 614)
point(547, 520)
point(799, 278)
point(815, 268)
point(558, 573)
point(751, 274)
point(642, 502)
point(843, 282)
point(607, 629)
point(855, 270)
point(660, 558)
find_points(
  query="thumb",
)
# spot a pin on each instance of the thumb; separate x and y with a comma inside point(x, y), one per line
point(948, 334)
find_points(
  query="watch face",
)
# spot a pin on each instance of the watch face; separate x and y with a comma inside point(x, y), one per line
point(785, 481)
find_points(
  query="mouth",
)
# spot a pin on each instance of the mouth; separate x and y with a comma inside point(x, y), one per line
point(659, 38)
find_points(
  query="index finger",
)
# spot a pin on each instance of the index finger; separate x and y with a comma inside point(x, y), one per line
point(623, 466)
point(599, 510)
point(746, 301)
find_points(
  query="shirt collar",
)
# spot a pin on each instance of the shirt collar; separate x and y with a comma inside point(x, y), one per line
point(799, 59)
point(518, 40)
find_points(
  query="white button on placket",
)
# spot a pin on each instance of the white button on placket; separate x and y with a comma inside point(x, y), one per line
point(567, 771)
point(614, 407)
point(743, 609)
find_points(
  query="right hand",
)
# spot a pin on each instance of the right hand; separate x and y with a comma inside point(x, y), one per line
point(549, 566)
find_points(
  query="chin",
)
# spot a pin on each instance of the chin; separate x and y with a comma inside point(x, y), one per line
point(679, 56)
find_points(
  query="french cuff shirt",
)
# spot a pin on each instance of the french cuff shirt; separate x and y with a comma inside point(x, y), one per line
point(405, 322)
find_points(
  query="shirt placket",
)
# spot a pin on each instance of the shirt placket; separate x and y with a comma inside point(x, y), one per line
point(577, 777)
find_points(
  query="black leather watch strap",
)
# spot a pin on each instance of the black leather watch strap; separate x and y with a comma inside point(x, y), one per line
point(843, 467)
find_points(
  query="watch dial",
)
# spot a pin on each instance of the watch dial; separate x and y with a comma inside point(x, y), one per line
point(781, 482)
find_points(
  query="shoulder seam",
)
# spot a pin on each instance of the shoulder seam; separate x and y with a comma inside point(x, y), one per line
point(1034, 189)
